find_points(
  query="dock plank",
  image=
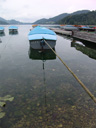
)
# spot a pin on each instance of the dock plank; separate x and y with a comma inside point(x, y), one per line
point(86, 36)
point(91, 37)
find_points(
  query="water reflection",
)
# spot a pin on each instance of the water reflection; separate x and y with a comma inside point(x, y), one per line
point(2, 34)
point(43, 110)
point(47, 96)
point(59, 104)
point(0, 40)
point(36, 54)
point(85, 48)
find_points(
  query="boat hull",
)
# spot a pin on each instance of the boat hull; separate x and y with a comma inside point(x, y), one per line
point(37, 44)
point(12, 30)
point(38, 35)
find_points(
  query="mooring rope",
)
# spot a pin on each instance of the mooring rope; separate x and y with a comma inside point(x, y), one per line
point(80, 82)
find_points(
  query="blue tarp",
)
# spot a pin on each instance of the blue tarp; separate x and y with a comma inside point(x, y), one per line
point(41, 30)
point(84, 27)
point(1, 28)
point(42, 36)
point(13, 27)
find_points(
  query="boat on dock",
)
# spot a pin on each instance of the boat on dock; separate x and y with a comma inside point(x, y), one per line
point(13, 29)
point(37, 36)
point(34, 25)
point(86, 28)
point(1, 30)
point(69, 27)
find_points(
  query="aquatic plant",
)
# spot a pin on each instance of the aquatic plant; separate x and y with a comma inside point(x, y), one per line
point(3, 103)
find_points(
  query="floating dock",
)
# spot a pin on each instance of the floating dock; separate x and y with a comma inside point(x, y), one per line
point(85, 36)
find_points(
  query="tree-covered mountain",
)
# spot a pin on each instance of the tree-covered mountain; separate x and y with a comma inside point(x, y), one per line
point(78, 17)
point(5, 22)
point(85, 19)
point(13, 22)
point(41, 21)
point(55, 19)
point(51, 20)
point(80, 12)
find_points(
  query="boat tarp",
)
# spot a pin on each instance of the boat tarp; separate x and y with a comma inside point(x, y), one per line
point(42, 36)
point(13, 27)
point(41, 30)
point(1, 28)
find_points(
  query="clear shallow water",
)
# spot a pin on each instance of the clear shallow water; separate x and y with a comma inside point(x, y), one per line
point(45, 94)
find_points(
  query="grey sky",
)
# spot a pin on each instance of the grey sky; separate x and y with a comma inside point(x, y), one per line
point(32, 10)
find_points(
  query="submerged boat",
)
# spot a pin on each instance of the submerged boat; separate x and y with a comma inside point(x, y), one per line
point(13, 29)
point(1, 30)
point(37, 36)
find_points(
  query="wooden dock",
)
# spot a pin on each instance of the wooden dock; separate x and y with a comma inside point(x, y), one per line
point(85, 36)
point(62, 31)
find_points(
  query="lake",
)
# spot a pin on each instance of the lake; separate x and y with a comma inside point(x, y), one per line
point(36, 88)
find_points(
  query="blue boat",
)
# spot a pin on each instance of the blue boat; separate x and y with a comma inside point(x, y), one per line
point(13, 29)
point(1, 30)
point(37, 36)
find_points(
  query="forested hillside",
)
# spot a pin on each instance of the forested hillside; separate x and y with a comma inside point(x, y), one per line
point(85, 19)
point(57, 18)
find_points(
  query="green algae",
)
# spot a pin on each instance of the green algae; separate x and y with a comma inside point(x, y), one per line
point(6, 98)
point(3, 103)
point(2, 114)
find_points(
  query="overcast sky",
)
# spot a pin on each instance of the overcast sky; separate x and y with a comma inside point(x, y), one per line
point(32, 10)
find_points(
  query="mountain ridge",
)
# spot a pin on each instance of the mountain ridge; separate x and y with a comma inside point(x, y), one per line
point(12, 21)
point(85, 19)
point(54, 19)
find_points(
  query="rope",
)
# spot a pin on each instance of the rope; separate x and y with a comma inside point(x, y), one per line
point(80, 82)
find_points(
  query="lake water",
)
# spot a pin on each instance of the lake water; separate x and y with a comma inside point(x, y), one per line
point(45, 94)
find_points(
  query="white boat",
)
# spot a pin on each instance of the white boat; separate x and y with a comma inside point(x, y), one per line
point(37, 36)
point(13, 29)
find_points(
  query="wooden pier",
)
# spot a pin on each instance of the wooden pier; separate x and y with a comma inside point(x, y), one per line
point(85, 36)
point(62, 31)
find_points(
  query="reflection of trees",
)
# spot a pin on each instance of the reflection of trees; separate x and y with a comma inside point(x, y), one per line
point(2, 34)
point(89, 51)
